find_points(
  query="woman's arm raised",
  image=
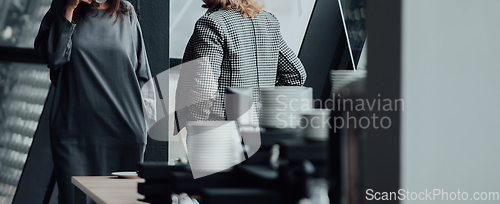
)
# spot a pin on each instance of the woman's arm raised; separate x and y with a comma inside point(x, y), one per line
point(53, 42)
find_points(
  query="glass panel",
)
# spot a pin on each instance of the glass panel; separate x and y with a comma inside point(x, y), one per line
point(183, 16)
point(20, 20)
point(294, 17)
point(23, 90)
point(353, 15)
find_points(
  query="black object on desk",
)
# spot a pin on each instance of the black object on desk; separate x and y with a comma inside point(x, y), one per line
point(253, 181)
point(239, 195)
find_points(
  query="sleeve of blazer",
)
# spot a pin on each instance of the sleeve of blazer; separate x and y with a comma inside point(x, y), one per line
point(198, 82)
point(290, 71)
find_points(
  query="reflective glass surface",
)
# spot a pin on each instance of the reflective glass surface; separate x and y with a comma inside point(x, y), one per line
point(20, 20)
point(23, 90)
point(353, 15)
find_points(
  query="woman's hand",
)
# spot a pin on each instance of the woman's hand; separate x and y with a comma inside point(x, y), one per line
point(71, 6)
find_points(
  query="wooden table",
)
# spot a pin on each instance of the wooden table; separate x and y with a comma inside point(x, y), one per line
point(106, 189)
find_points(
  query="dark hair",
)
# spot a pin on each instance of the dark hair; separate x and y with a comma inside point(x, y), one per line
point(117, 9)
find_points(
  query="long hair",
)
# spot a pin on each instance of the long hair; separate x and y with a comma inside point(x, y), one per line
point(248, 8)
point(116, 9)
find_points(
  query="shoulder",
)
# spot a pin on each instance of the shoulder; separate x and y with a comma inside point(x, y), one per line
point(127, 5)
point(213, 18)
point(216, 16)
point(219, 13)
point(128, 10)
point(230, 17)
point(269, 17)
point(223, 17)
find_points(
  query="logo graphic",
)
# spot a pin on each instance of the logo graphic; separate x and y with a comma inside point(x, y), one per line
point(190, 116)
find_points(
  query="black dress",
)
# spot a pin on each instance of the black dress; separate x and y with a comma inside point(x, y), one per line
point(98, 68)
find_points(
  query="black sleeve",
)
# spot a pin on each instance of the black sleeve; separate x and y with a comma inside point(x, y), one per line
point(53, 42)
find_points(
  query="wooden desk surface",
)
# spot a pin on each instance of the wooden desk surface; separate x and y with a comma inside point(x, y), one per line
point(109, 189)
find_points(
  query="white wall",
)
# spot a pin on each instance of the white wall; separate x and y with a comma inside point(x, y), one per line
point(451, 86)
point(293, 16)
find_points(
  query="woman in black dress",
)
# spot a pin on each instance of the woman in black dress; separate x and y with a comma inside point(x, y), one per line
point(99, 68)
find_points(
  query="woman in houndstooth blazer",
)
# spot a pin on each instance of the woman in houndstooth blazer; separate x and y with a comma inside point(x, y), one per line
point(235, 44)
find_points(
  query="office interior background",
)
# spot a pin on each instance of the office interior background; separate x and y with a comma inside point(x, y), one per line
point(438, 56)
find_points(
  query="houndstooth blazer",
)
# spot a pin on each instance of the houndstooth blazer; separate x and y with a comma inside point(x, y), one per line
point(236, 52)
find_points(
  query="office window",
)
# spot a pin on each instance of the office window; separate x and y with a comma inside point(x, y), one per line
point(20, 20)
point(23, 90)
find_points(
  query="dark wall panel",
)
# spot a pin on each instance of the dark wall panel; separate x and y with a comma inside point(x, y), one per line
point(154, 19)
point(381, 170)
